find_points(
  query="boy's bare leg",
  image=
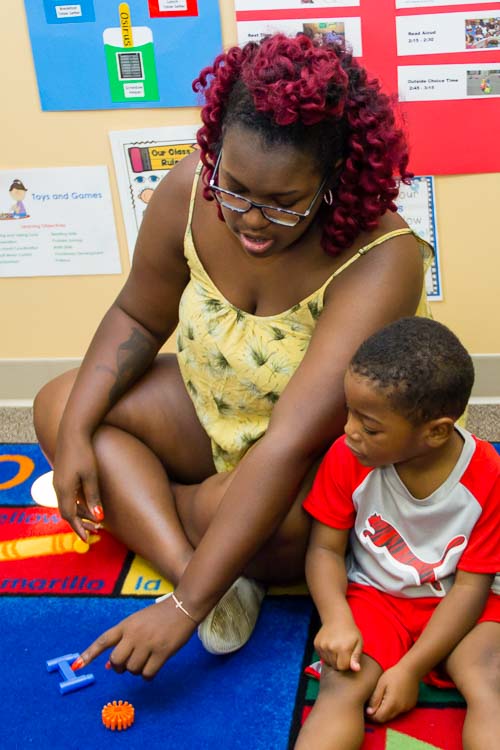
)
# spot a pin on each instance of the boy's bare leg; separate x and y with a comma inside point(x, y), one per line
point(337, 719)
point(474, 667)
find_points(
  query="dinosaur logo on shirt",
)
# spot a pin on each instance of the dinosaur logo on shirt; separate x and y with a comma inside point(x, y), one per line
point(385, 539)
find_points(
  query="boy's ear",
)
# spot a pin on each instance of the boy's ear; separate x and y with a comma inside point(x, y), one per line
point(438, 431)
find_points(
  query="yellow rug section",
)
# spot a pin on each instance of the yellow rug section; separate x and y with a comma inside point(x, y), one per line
point(143, 580)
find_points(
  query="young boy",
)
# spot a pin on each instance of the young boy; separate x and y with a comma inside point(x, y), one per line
point(416, 501)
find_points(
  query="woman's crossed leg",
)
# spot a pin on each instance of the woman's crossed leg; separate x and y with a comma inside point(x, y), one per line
point(157, 480)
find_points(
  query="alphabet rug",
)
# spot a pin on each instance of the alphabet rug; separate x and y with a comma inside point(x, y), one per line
point(56, 597)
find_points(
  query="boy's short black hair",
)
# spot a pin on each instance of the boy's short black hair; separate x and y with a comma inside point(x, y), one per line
point(427, 371)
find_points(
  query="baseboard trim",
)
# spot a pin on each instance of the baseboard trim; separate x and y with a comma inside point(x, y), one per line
point(21, 379)
point(487, 380)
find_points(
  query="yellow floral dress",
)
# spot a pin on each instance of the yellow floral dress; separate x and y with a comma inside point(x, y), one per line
point(236, 365)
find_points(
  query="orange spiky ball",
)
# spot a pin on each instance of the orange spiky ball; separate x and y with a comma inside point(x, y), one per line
point(118, 715)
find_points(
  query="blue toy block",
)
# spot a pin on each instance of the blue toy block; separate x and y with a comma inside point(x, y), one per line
point(72, 680)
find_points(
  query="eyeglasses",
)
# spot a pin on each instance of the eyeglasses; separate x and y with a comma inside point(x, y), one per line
point(282, 216)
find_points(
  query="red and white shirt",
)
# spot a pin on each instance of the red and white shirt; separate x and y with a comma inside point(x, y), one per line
point(407, 546)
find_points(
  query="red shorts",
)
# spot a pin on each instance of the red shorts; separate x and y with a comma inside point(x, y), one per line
point(390, 625)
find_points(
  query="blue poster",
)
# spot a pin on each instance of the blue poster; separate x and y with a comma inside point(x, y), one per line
point(96, 54)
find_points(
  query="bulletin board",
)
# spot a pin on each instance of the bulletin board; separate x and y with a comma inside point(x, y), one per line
point(439, 58)
point(105, 54)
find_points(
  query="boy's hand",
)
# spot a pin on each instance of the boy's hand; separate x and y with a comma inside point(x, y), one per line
point(340, 646)
point(395, 692)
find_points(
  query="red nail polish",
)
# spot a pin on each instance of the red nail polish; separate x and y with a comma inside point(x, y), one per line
point(77, 664)
point(98, 513)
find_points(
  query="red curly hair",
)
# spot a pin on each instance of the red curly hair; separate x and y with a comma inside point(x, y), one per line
point(314, 96)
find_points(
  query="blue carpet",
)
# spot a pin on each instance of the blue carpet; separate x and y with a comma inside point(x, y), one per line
point(196, 702)
point(245, 700)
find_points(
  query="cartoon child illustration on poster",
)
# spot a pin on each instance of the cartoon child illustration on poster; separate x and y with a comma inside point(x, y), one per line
point(146, 193)
point(17, 193)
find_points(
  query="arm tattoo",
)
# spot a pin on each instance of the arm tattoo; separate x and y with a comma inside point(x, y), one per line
point(132, 355)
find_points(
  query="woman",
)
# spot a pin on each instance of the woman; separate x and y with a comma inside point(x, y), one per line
point(199, 461)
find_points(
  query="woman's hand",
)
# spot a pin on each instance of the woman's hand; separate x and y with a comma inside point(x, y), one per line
point(340, 646)
point(143, 641)
point(76, 484)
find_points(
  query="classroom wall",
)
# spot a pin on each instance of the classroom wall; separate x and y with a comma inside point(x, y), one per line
point(52, 317)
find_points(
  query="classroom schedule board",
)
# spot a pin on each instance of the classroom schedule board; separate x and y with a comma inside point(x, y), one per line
point(104, 54)
point(440, 59)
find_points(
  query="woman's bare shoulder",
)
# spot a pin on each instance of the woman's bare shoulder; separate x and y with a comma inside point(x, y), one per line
point(391, 247)
point(159, 270)
point(386, 281)
point(388, 223)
